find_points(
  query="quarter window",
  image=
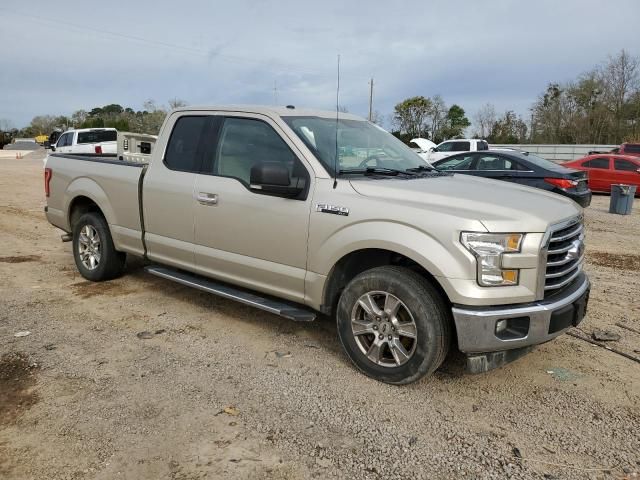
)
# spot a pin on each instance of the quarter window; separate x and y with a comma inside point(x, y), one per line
point(184, 147)
point(246, 142)
point(602, 163)
point(445, 147)
point(625, 165)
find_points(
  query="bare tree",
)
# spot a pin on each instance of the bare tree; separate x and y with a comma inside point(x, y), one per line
point(620, 76)
point(438, 113)
point(485, 119)
point(176, 103)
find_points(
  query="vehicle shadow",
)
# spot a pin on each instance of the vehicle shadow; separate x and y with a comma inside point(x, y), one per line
point(320, 333)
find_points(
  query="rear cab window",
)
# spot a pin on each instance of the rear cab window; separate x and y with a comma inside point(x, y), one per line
point(460, 146)
point(184, 149)
point(482, 145)
point(632, 148)
point(97, 136)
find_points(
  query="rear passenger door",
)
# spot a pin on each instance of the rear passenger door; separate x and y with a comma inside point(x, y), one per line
point(626, 171)
point(168, 194)
point(243, 236)
point(599, 174)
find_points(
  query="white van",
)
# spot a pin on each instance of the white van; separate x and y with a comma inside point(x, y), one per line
point(88, 140)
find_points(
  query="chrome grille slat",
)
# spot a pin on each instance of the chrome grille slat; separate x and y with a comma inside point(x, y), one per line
point(565, 271)
point(563, 263)
point(568, 235)
point(566, 281)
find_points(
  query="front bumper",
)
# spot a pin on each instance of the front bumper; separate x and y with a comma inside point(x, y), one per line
point(533, 323)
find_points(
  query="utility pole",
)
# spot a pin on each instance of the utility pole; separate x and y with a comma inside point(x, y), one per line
point(371, 100)
point(275, 92)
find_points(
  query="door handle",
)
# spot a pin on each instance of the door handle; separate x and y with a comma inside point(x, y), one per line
point(207, 198)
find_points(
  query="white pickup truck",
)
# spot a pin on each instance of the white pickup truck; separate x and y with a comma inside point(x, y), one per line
point(278, 208)
point(432, 152)
point(88, 140)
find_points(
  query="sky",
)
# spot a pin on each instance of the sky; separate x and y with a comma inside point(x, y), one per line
point(82, 54)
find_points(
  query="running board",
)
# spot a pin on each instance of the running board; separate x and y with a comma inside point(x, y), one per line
point(270, 305)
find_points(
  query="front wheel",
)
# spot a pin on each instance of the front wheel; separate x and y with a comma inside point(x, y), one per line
point(93, 250)
point(393, 324)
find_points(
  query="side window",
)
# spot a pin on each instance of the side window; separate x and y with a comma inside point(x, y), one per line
point(632, 148)
point(246, 142)
point(65, 140)
point(461, 162)
point(445, 147)
point(460, 146)
point(183, 150)
point(483, 145)
point(597, 163)
point(495, 162)
point(625, 165)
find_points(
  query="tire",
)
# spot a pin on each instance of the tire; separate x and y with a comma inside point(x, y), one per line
point(92, 238)
point(419, 310)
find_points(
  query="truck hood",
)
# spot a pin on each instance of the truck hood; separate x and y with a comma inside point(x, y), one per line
point(500, 206)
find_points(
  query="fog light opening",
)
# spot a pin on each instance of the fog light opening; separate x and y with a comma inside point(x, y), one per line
point(501, 326)
point(515, 328)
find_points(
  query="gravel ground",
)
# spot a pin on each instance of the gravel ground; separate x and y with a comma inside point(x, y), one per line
point(221, 390)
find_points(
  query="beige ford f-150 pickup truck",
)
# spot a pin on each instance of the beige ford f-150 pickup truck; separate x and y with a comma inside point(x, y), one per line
point(298, 212)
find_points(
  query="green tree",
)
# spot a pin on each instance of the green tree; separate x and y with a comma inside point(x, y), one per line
point(411, 116)
point(455, 122)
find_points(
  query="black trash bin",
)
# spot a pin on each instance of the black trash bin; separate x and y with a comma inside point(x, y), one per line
point(622, 199)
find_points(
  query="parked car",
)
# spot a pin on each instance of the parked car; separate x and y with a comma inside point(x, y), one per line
point(523, 168)
point(88, 140)
point(632, 149)
point(432, 153)
point(257, 205)
point(606, 170)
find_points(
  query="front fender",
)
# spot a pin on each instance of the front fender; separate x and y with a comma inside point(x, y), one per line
point(440, 259)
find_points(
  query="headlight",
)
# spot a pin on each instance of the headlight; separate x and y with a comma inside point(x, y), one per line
point(488, 249)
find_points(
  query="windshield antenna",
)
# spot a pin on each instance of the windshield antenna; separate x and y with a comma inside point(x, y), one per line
point(335, 160)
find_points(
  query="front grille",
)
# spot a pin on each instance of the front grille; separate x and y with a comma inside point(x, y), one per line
point(565, 254)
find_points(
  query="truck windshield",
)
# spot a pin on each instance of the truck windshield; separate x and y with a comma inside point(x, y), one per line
point(361, 145)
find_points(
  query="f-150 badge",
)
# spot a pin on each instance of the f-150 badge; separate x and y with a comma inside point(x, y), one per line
point(334, 209)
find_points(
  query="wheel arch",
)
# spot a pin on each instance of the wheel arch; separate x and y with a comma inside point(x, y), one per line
point(357, 261)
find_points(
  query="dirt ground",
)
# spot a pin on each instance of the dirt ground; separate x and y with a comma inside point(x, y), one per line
point(219, 390)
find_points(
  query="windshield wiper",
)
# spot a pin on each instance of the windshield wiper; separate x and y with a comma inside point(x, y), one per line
point(376, 171)
point(421, 168)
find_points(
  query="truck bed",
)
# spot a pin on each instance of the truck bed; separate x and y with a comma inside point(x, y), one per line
point(111, 183)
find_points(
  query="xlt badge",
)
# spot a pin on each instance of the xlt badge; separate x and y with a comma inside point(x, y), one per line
point(334, 209)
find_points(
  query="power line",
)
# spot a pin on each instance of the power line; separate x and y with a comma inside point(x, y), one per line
point(158, 43)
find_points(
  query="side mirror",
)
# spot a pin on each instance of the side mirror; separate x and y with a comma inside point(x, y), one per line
point(273, 177)
point(638, 170)
point(53, 148)
point(433, 149)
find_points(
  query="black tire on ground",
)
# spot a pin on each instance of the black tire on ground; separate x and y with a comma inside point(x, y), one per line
point(429, 311)
point(111, 262)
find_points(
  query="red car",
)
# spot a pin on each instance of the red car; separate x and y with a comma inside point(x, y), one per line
point(607, 169)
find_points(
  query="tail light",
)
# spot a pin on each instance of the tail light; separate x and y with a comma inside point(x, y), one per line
point(99, 149)
point(561, 182)
point(47, 179)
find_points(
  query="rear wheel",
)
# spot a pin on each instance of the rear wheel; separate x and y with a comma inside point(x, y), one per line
point(93, 250)
point(393, 324)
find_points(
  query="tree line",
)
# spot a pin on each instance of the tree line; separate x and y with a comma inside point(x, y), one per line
point(601, 106)
point(147, 120)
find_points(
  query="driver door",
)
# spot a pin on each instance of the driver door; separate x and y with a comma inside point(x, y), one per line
point(242, 236)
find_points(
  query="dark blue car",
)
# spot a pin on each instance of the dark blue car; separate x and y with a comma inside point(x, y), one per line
point(523, 168)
